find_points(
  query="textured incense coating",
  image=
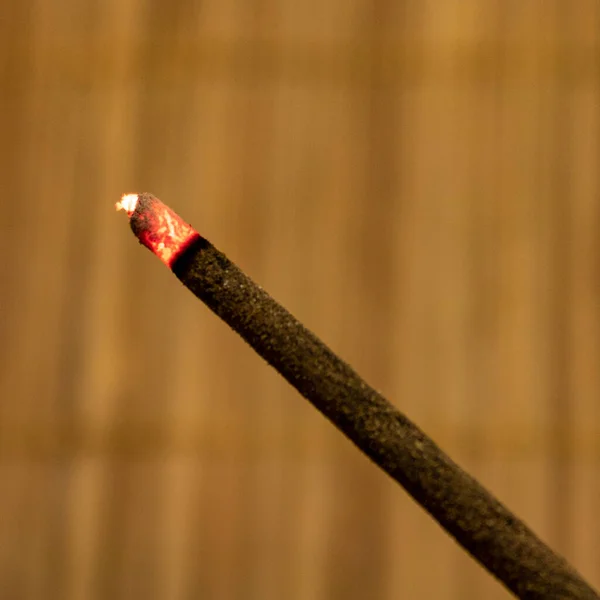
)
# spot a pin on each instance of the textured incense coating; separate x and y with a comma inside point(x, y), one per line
point(483, 526)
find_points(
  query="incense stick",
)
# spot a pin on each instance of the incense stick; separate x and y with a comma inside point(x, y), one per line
point(494, 536)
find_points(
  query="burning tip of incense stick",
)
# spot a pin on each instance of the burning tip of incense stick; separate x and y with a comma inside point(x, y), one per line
point(127, 203)
point(156, 226)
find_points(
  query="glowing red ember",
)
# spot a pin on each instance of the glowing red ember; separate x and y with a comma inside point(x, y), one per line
point(156, 226)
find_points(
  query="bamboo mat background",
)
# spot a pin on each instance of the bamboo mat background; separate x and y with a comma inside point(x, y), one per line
point(416, 180)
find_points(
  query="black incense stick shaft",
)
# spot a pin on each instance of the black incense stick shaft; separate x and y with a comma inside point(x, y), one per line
point(483, 526)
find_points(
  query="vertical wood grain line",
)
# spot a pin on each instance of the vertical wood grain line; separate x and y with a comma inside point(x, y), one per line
point(560, 301)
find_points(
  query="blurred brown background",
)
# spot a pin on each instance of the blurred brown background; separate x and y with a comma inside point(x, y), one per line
point(418, 181)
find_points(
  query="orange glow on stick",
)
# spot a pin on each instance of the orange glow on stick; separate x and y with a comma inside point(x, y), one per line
point(156, 226)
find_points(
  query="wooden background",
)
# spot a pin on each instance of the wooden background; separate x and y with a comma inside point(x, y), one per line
point(417, 180)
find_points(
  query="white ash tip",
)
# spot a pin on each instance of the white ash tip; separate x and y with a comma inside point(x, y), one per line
point(127, 203)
